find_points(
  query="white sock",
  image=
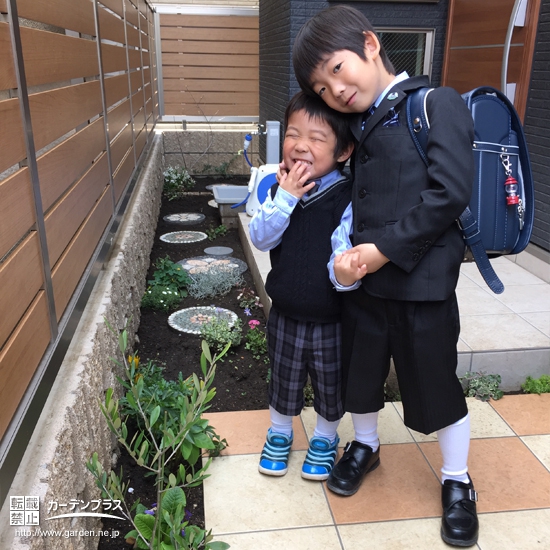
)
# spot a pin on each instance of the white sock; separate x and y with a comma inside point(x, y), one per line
point(280, 423)
point(325, 428)
point(366, 429)
point(454, 442)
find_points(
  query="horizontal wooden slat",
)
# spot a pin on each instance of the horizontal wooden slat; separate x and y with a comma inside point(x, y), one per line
point(209, 21)
point(215, 47)
point(134, 57)
point(111, 27)
point(211, 110)
point(64, 220)
point(118, 118)
point(222, 98)
point(56, 112)
point(116, 89)
point(52, 57)
point(7, 69)
point(16, 209)
point(224, 34)
point(137, 102)
point(120, 147)
point(115, 5)
point(76, 15)
point(12, 143)
point(140, 142)
point(70, 267)
point(132, 36)
point(3, 6)
point(114, 58)
point(20, 280)
point(212, 60)
point(194, 85)
point(19, 360)
point(230, 73)
point(136, 80)
point(131, 14)
point(122, 176)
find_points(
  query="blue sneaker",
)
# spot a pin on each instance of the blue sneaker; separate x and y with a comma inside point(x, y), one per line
point(274, 459)
point(320, 458)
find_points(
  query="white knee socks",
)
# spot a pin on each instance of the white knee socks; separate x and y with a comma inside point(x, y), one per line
point(454, 442)
point(325, 428)
point(366, 429)
point(280, 423)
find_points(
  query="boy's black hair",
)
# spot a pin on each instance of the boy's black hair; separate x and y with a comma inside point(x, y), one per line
point(331, 30)
point(315, 107)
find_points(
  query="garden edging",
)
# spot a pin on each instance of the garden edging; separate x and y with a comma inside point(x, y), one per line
point(71, 426)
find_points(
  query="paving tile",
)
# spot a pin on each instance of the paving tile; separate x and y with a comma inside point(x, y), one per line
point(245, 431)
point(237, 498)
point(310, 538)
point(390, 426)
point(540, 320)
point(402, 487)
point(515, 530)
point(540, 447)
point(525, 414)
point(508, 272)
point(478, 301)
point(526, 298)
point(506, 475)
point(413, 534)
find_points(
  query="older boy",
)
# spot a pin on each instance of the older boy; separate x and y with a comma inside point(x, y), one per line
point(403, 268)
point(304, 333)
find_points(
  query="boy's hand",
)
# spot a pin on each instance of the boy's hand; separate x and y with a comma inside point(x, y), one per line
point(282, 170)
point(293, 181)
point(370, 256)
point(348, 268)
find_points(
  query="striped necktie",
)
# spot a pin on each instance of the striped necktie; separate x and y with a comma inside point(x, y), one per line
point(368, 114)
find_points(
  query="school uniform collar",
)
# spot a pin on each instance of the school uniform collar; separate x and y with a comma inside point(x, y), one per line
point(324, 182)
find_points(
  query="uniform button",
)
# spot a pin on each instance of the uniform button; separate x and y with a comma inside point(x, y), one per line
point(361, 227)
point(364, 159)
point(362, 193)
point(428, 243)
point(415, 257)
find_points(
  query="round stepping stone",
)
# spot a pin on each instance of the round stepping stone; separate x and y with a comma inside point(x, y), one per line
point(218, 251)
point(205, 264)
point(191, 319)
point(183, 237)
point(185, 218)
point(213, 203)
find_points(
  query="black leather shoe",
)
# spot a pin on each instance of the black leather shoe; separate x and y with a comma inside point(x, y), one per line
point(357, 461)
point(459, 524)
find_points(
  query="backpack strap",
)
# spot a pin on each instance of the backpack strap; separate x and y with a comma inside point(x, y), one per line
point(419, 126)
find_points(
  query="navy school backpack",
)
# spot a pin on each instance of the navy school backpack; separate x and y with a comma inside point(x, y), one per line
point(499, 219)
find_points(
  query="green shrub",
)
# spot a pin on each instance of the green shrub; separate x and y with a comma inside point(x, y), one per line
point(218, 333)
point(161, 298)
point(172, 274)
point(537, 385)
point(482, 386)
point(177, 181)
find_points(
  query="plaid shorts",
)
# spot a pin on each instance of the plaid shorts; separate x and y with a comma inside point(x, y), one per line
point(296, 349)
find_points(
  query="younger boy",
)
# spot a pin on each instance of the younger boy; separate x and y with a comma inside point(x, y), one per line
point(295, 224)
point(402, 271)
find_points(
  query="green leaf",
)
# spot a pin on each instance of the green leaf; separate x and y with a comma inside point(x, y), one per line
point(218, 545)
point(206, 351)
point(172, 480)
point(155, 415)
point(145, 523)
point(203, 441)
point(172, 498)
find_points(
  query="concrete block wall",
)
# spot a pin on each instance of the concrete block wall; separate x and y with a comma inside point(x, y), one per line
point(71, 426)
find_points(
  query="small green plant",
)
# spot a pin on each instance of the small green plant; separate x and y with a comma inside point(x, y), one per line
point(482, 386)
point(308, 395)
point(537, 385)
point(221, 169)
point(214, 232)
point(161, 298)
point(218, 333)
point(256, 341)
point(169, 273)
point(177, 181)
point(248, 300)
point(214, 283)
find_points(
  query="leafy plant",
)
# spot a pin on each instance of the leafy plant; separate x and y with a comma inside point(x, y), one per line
point(161, 298)
point(537, 385)
point(308, 395)
point(482, 386)
point(170, 274)
point(168, 528)
point(247, 299)
point(256, 341)
point(214, 232)
point(214, 283)
point(177, 181)
point(218, 333)
point(221, 169)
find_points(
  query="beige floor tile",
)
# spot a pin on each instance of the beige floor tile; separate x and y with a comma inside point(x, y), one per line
point(499, 332)
point(390, 426)
point(311, 538)
point(526, 298)
point(525, 530)
point(506, 475)
point(478, 301)
point(508, 272)
point(413, 534)
point(540, 447)
point(238, 498)
point(402, 487)
point(525, 414)
point(245, 431)
point(540, 320)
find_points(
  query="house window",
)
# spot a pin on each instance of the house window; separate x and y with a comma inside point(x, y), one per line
point(409, 50)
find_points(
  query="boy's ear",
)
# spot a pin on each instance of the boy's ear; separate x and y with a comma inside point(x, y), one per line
point(346, 153)
point(372, 45)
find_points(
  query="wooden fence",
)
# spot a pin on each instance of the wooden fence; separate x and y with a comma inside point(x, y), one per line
point(210, 65)
point(78, 103)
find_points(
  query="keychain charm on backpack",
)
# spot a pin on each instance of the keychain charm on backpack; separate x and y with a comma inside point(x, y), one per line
point(511, 183)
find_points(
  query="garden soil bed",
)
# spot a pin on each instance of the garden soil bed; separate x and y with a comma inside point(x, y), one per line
point(240, 380)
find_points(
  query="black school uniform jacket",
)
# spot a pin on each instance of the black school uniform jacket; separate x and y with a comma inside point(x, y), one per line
point(407, 210)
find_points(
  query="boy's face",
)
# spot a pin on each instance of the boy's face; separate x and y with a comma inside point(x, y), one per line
point(348, 83)
point(312, 141)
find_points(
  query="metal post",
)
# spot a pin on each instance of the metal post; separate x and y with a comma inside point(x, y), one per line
point(15, 33)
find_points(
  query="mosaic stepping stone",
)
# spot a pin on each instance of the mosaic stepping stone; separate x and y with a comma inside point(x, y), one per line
point(205, 264)
point(218, 251)
point(185, 218)
point(182, 237)
point(191, 319)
